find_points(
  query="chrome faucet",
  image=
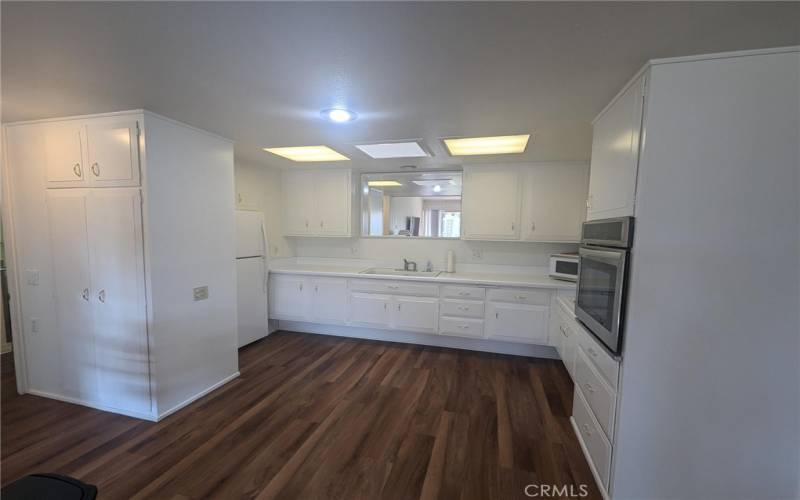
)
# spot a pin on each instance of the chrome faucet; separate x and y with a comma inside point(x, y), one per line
point(409, 265)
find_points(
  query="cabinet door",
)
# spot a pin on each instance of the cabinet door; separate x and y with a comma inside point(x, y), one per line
point(288, 297)
point(416, 314)
point(517, 322)
point(490, 205)
point(332, 193)
point(615, 156)
point(69, 239)
point(368, 309)
point(113, 153)
point(298, 202)
point(329, 300)
point(63, 155)
point(117, 269)
point(251, 300)
point(554, 202)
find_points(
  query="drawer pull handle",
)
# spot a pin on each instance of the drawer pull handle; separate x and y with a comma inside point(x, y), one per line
point(464, 327)
point(101, 296)
point(77, 169)
point(392, 287)
point(398, 306)
point(496, 315)
point(592, 352)
point(85, 294)
point(464, 294)
point(520, 297)
point(96, 169)
point(463, 308)
point(589, 388)
point(586, 429)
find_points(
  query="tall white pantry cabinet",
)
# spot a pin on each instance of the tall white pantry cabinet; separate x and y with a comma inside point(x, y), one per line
point(123, 260)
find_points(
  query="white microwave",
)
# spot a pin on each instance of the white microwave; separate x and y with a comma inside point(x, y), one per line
point(564, 266)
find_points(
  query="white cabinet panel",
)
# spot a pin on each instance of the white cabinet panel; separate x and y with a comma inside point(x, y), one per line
point(288, 297)
point(329, 300)
point(332, 194)
point(113, 153)
point(63, 155)
point(615, 156)
point(554, 201)
point(115, 235)
point(317, 202)
point(298, 202)
point(463, 308)
point(601, 398)
point(67, 210)
point(490, 205)
point(416, 314)
point(517, 322)
point(589, 432)
point(370, 310)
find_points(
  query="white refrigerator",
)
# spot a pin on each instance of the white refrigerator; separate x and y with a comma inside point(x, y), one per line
point(252, 268)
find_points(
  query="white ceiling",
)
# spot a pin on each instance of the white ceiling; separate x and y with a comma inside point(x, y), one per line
point(259, 73)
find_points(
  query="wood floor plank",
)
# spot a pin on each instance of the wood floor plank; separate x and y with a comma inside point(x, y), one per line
point(317, 417)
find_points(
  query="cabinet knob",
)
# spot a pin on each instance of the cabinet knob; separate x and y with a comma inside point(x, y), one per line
point(301, 287)
point(384, 305)
point(512, 226)
point(321, 223)
point(398, 306)
point(77, 169)
point(533, 226)
point(496, 315)
point(96, 169)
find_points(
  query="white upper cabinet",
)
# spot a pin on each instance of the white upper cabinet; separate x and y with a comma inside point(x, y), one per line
point(101, 153)
point(317, 202)
point(490, 204)
point(553, 201)
point(332, 197)
point(298, 202)
point(113, 153)
point(615, 155)
point(63, 155)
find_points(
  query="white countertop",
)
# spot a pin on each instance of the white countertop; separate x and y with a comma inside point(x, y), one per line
point(471, 278)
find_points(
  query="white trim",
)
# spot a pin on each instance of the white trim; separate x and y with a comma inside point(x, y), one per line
point(197, 396)
point(406, 337)
point(144, 416)
point(147, 113)
point(9, 242)
point(596, 476)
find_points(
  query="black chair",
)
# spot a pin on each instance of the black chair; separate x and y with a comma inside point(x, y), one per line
point(48, 487)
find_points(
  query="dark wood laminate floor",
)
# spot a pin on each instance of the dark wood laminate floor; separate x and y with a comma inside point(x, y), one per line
point(315, 417)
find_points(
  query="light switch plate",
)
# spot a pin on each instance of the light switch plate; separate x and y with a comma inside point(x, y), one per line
point(200, 293)
point(32, 277)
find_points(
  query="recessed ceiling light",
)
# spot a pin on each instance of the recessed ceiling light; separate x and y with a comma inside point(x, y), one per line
point(405, 149)
point(501, 144)
point(338, 115)
point(308, 153)
point(437, 188)
point(383, 184)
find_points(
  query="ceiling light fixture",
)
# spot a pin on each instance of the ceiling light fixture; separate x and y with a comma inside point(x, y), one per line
point(501, 144)
point(398, 149)
point(437, 188)
point(338, 115)
point(384, 184)
point(308, 153)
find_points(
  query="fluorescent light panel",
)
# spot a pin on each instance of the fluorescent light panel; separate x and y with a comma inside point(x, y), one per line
point(501, 144)
point(308, 153)
point(409, 149)
point(384, 184)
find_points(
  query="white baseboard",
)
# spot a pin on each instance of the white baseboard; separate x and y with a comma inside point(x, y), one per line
point(96, 406)
point(596, 476)
point(530, 350)
point(197, 396)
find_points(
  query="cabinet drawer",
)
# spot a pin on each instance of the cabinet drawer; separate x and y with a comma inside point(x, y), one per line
point(462, 309)
point(602, 400)
point(605, 364)
point(461, 327)
point(394, 287)
point(593, 438)
point(464, 292)
point(520, 296)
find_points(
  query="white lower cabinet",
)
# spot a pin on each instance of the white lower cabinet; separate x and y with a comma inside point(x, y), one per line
point(288, 297)
point(517, 322)
point(415, 314)
point(597, 446)
point(328, 300)
point(368, 309)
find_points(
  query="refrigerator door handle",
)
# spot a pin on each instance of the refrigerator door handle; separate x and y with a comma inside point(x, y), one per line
point(265, 247)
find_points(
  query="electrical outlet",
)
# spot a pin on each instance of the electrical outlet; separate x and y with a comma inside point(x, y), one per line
point(200, 293)
point(477, 253)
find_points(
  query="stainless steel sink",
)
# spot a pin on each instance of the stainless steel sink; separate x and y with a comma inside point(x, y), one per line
point(387, 271)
